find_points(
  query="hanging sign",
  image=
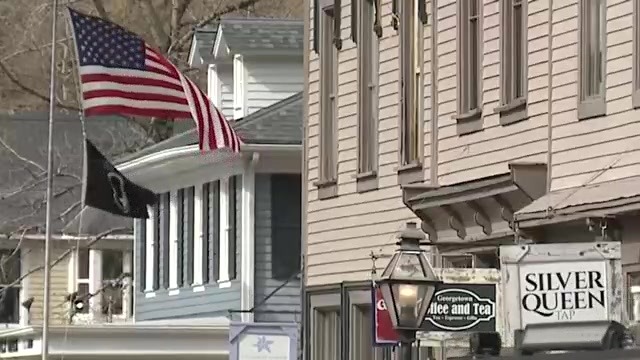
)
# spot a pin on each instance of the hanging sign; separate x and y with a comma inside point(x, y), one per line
point(384, 334)
point(462, 308)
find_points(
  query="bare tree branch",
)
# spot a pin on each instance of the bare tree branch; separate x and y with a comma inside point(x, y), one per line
point(12, 77)
point(15, 153)
point(99, 5)
point(157, 25)
point(177, 12)
point(242, 5)
point(31, 49)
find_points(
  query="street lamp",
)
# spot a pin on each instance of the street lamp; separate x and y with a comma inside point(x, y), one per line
point(408, 284)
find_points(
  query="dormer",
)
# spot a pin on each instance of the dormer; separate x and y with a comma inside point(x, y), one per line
point(251, 63)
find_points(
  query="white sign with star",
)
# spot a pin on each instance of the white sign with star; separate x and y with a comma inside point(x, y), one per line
point(263, 347)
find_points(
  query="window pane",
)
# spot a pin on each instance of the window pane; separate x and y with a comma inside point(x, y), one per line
point(518, 58)
point(327, 87)
point(10, 266)
point(473, 64)
point(112, 300)
point(10, 309)
point(111, 264)
point(83, 263)
point(83, 290)
point(633, 296)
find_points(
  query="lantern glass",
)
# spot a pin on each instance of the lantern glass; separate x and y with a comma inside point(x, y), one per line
point(408, 285)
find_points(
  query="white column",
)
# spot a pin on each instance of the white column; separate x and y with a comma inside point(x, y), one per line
point(173, 240)
point(151, 229)
point(197, 235)
point(224, 231)
point(95, 282)
point(25, 266)
point(214, 88)
point(247, 246)
point(127, 294)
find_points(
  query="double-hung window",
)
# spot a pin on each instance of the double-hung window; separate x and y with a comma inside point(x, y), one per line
point(102, 278)
point(328, 166)
point(593, 35)
point(411, 86)
point(513, 61)
point(367, 42)
point(636, 54)
point(10, 297)
point(469, 66)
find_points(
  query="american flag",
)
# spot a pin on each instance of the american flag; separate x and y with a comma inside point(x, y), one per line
point(121, 74)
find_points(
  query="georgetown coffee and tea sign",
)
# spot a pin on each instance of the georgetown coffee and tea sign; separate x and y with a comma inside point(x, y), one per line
point(454, 308)
point(462, 307)
point(563, 292)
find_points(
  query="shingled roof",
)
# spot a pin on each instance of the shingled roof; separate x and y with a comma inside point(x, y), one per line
point(280, 123)
point(23, 154)
point(261, 34)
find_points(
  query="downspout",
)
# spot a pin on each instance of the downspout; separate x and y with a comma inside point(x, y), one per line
point(247, 250)
point(549, 98)
point(304, 179)
point(434, 94)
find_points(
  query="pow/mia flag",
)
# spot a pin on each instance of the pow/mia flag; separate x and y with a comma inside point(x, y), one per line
point(105, 188)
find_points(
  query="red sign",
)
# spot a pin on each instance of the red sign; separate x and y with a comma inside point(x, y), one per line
point(384, 332)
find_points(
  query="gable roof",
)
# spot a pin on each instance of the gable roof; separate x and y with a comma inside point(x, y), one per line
point(23, 160)
point(261, 35)
point(280, 123)
point(202, 43)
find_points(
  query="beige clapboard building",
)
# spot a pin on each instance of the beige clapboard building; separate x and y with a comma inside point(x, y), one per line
point(80, 265)
point(485, 121)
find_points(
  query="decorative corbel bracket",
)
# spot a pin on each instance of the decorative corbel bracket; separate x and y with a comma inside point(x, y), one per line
point(480, 217)
point(455, 221)
point(506, 211)
point(426, 225)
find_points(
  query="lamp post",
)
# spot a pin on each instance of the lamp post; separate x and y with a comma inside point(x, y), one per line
point(408, 284)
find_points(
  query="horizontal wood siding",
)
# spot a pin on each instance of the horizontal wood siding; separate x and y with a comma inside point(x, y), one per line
point(286, 298)
point(344, 230)
point(211, 302)
point(269, 81)
point(488, 152)
point(225, 74)
point(59, 286)
point(604, 148)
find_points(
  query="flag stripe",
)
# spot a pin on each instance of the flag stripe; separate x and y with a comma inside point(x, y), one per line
point(136, 111)
point(134, 96)
point(198, 111)
point(130, 81)
point(126, 75)
point(107, 85)
point(121, 74)
point(147, 104)
point(210, 138)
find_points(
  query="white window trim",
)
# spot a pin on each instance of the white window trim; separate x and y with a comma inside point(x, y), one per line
point(95, 282)
point(223, 265)
point(173, 241)
point(214, 85)
point(25, 283)
point(239, 89)
point(150, 232)
point(198, 238)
